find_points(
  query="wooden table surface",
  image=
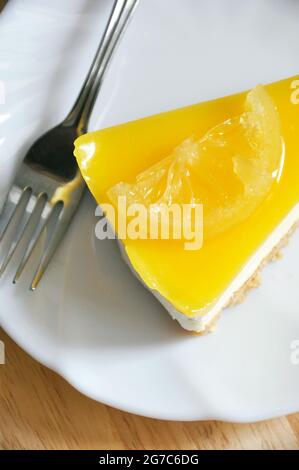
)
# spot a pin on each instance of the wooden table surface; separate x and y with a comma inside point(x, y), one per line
point(39, 410)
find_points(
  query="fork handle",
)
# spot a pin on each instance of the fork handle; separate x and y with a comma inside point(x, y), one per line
point(80, 113)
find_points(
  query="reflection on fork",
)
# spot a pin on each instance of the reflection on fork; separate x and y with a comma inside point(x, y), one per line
point(48, 186)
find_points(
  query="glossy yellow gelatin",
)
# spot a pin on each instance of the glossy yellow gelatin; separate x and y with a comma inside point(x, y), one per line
point(238, 156)
point(229, 170)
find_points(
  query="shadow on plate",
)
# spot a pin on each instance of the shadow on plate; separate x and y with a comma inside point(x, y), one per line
point(103, 301)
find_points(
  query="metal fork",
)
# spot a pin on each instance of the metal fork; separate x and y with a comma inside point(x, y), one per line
point(48, 186)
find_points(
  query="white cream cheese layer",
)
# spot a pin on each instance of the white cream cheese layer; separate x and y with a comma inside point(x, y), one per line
point(204, 317)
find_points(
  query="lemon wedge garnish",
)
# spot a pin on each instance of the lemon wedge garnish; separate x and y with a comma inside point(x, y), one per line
point(230, 170)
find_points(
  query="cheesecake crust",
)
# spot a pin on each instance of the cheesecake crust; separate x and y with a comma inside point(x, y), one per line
point(255, 280)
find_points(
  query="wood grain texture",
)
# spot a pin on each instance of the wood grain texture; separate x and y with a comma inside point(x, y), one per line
point(39, 410)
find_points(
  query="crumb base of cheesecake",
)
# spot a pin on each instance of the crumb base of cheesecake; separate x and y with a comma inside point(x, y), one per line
point(196, 325)
point(254, 280)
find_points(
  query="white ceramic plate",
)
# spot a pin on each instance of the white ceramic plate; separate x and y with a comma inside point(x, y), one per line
point(90, 319)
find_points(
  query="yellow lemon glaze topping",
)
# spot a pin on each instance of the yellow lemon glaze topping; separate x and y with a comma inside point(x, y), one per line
point(238, 156)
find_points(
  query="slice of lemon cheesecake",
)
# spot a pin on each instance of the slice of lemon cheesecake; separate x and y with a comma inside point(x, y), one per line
point(238, 158)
